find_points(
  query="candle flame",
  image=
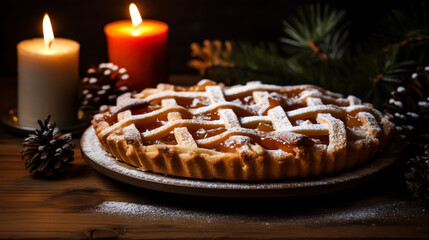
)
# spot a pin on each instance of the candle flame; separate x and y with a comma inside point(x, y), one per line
point(48, 34)
point(135, 15)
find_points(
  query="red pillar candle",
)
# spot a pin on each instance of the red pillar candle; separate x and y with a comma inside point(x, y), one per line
point(140, 47)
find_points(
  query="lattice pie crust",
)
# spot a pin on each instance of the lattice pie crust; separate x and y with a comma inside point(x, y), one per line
point(246, 133)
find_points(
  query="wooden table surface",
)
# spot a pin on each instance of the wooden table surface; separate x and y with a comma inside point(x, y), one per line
point(85, 204)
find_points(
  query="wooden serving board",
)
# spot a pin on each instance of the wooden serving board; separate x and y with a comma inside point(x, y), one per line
point(106, 164)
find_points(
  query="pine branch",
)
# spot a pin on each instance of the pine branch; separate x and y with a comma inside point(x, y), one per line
point(254, 62)
point(316, 31)
point(375, 76)
point(315, 50)
point(399, 45)
point(404, 26)
point(406, 29)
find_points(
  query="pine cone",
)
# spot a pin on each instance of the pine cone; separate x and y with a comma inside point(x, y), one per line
point(101, 86)
point(47, 151)
point(409, 108)
point(417, 179)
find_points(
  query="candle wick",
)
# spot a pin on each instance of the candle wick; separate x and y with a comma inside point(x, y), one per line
point(135, 27)
point(50, 43)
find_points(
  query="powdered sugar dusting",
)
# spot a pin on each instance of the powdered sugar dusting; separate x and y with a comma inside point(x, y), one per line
point(368, 212)
point(313, 110)
point(254, 120)
point(385, 211)
point(148, 210)
point(279, 118)
point(93, 149)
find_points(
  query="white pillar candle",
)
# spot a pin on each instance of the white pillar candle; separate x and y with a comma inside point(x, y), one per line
point(48, 78)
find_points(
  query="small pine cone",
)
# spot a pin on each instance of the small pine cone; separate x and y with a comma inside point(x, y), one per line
point(101, 86)
point(417, 179)
point(47, 151)
point(408, 108)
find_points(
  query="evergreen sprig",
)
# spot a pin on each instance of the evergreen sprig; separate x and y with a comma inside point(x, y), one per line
point(376, 75)
point(315, 43)
point(315, 49)
point(403, 27)
point(317, 30)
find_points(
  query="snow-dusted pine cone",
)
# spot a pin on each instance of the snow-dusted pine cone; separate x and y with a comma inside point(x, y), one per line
point(101, 86)
point(47, 151)
point(408, 108)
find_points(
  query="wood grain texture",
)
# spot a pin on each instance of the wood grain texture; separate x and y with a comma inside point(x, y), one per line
point(84, 204)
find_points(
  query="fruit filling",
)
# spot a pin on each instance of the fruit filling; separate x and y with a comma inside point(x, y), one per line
point(144, 127)
point(353, 121)
point(168, 139)
point(265, 127)
point(268, 142)
point(193, 102)
point(145, 109)
point(202, 133)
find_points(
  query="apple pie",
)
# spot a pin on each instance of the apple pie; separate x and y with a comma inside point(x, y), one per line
point(249, 132)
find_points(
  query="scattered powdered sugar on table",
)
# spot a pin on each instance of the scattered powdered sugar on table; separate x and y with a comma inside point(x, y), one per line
point(385, 211)
point(371, 213)
point(125, 208)
point(152, 212)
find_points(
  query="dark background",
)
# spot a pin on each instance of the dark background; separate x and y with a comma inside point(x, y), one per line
point(189, 21)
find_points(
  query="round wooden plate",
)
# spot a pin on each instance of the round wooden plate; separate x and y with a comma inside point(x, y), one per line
point(106, 164)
